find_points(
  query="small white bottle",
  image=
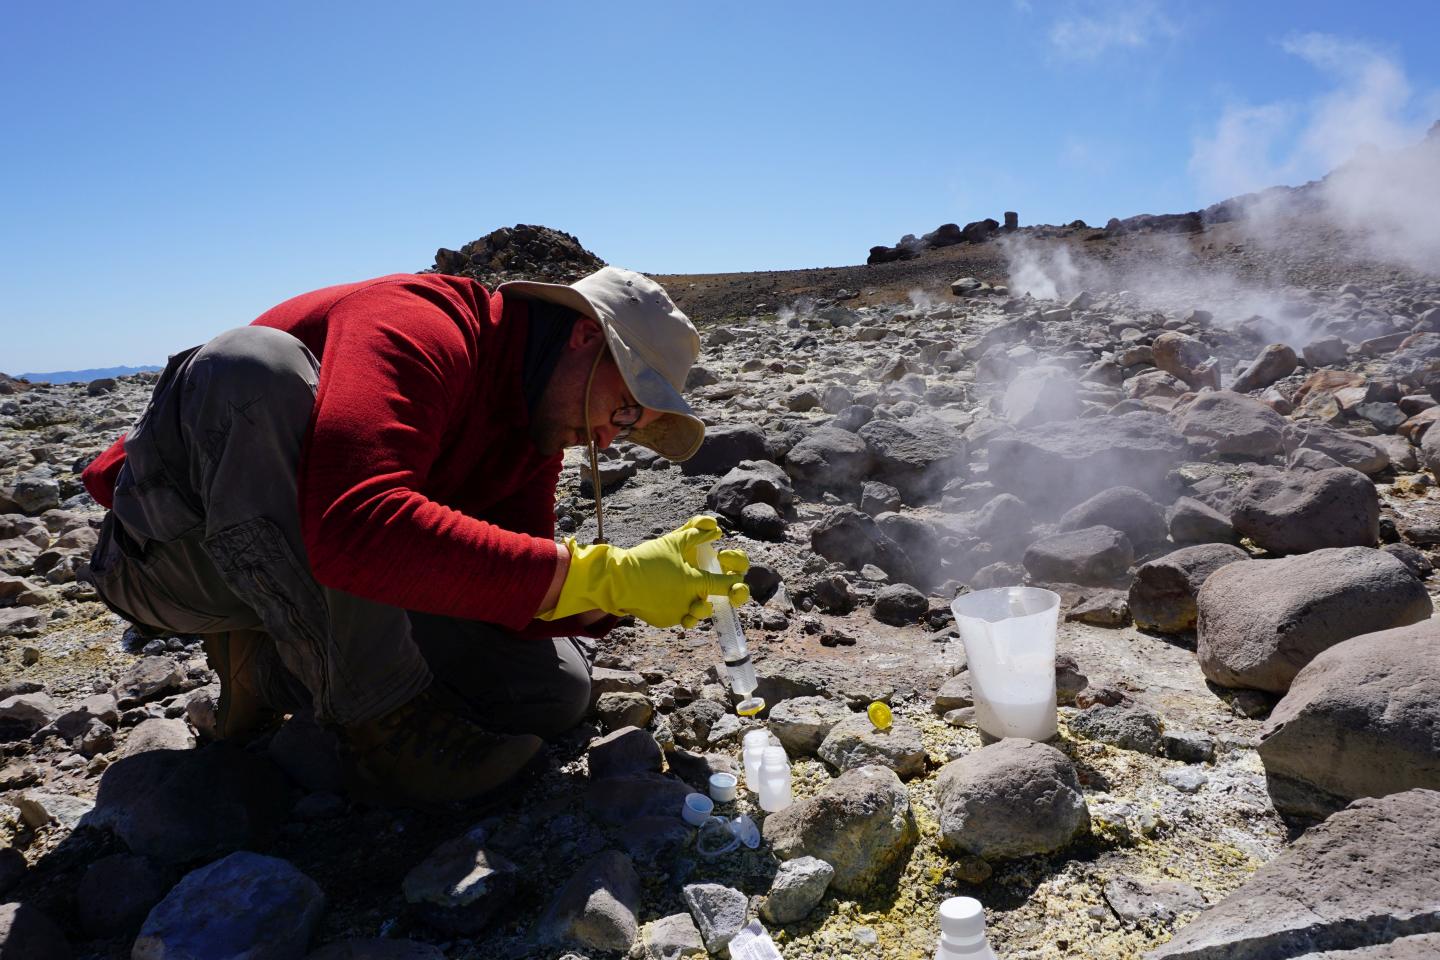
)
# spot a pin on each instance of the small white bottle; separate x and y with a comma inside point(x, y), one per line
point(962, 931)
point(774, 780)
point(751, 754)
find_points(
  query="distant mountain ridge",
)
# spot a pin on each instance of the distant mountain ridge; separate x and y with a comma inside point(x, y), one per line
point(73, 376)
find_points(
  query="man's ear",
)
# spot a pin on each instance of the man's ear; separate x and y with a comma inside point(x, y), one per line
point(585, 332)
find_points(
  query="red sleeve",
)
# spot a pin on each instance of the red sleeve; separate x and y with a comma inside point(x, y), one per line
point(100, 476)
point(397, 369)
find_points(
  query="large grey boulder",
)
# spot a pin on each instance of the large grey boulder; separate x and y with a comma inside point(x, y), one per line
point(917, 455)
point(1357, 453)
point(861, 823)
point(1011, 799)
point(1261, 621)
point(1362, 720)
point(461, 885)
point(1365, 878)
point(1162, 595)
point(753, 481)
point(1054, 466)
point(1430, 452)
point(828, 460)
point(847, 536)
point(802, 723)
point(725, 445)
point(1300, 511)
point(855, 742)
point(1222, 421)
point(596, 907)
point(245, 905)
point(1094, 555)
point(1042, 394)
point(1126, 509)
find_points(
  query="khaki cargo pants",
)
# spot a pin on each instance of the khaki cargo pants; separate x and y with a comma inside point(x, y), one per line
point(205, 537)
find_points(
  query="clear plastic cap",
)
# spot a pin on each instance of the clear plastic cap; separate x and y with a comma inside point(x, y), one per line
point(962, 918)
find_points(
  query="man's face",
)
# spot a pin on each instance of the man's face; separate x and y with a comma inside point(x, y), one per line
point(559, 419)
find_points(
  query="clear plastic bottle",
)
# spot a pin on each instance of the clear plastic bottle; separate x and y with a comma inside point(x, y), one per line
point(962, 931)
point(751, 754)
point(727, 627)
point(774, 780)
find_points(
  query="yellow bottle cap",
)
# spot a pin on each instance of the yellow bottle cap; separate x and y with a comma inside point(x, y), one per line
point(880, 715)
point(750, 707)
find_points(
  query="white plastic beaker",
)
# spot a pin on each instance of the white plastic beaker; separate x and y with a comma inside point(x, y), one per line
point(1009, 637)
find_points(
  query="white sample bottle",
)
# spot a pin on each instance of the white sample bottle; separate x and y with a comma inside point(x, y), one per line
point(751, 754)
point(736, 651)
point(774, 780)
point(962, 931)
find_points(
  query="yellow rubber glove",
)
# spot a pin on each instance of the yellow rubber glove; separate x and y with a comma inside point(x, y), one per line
point(659, 581)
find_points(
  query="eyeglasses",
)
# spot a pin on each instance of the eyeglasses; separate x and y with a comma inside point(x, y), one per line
point(625, 418)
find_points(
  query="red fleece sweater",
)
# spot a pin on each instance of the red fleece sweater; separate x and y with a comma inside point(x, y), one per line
point(419, 486)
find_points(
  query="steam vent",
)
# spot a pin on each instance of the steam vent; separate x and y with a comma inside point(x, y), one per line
point(1209, 435)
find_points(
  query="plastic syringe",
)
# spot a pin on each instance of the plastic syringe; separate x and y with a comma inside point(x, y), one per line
point(733, 647)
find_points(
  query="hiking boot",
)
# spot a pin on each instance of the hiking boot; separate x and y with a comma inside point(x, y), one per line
point(425, 753)
point(242, 711)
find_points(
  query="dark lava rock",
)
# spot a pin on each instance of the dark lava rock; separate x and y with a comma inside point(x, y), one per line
point(1126, 509)
point(1014, 798)
point(1194, 522)
point(725, 446)
point(1128, 726)
point(850, 537)
point(899, 605)
point(1233, 423)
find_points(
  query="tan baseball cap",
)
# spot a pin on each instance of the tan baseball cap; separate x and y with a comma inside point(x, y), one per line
point(653, 344)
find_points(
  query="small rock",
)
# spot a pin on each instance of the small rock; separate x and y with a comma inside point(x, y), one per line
point(596, 907)
point(158, 734)
point(617, 710)
point(855, 742)
point(625, 752)
point(900, 604)
point(147, 679)
point(719, 913)
point(1134, 899)
point(117, 892)
point(797, 889)
point(673, 938)
point(461, 885)
point(1094, 555)
point(1186, 779)
point(1127, 726)
point(802, 723)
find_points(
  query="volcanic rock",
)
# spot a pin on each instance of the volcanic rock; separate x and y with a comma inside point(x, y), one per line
point(797, 889)
point(1361, 720)
point(855, 742)
point(1186, 358)
point(596, 909)
point(829, 460)
point(1351, 451)
point(461, 885)
point(1055, 466)
point(1011, 799)
point(1128, 726)
point(673, 938)
point(1126, 509)
point(726, 445)
point(27, 934)
point(1365, 878)
point(1194, 522)
point(1042, 395)
point(850, 537)
point(917, 455)
point(117, 892)
point(1162, 595)
point(751, 482)
point(861, 823)
point(719, 913)
point(1298, 512)
point(1261, 621)
point(801, 724)
point(1274, 363)
point(1095, 554)
point(1233, 423)
point(245, 905)
point(899, 605)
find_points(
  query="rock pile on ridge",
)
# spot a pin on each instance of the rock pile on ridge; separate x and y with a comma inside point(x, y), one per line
point(522, 252)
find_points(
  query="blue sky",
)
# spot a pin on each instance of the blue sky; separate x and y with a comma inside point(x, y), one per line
point(170, 170)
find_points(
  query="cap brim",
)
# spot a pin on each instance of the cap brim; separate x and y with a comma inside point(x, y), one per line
point(675, 435)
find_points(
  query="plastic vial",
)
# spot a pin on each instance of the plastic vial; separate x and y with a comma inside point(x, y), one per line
point(727, 627)
point(751, 754)
point(962, 931)
point(774, 780)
